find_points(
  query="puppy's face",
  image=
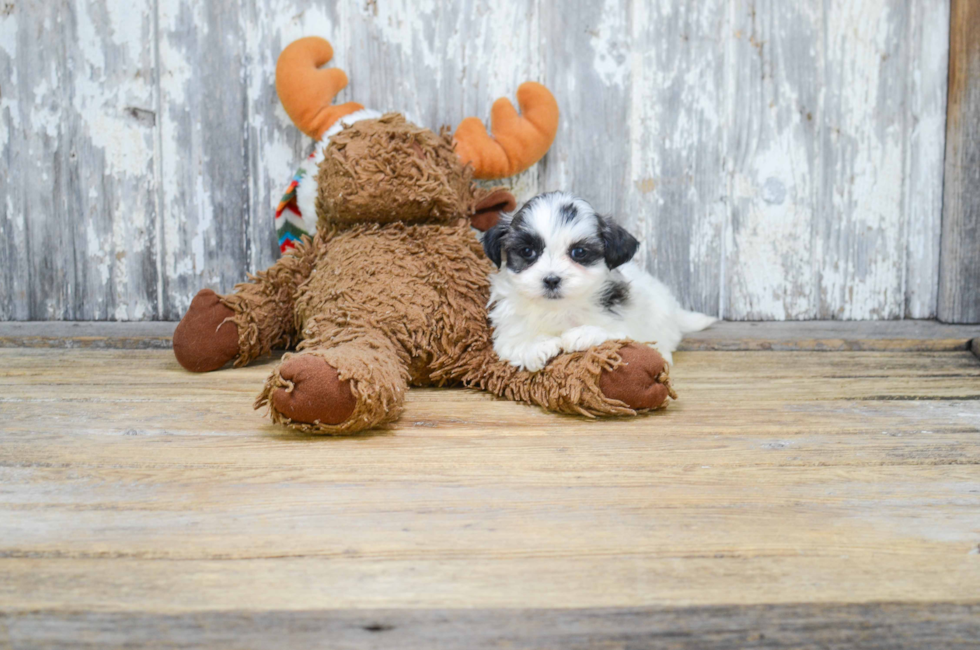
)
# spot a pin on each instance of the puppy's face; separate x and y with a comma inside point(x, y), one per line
point(557, 248)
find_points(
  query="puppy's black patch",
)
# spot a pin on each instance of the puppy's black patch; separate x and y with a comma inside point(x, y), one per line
point(614, 294)
point(523, 249)
point(568, 213)
point(587, 251)
point(620, 246)
point(493, 240)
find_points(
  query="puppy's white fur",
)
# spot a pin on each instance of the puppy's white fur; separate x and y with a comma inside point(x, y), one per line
point(602, 295)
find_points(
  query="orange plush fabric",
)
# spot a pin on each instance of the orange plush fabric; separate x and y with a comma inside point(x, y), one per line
point(518, 141)
point(306, 91)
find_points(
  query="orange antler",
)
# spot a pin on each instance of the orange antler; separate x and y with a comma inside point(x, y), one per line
point(306, 92)
point(518, 141)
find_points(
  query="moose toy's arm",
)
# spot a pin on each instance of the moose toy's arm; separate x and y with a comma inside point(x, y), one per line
point(249, 322)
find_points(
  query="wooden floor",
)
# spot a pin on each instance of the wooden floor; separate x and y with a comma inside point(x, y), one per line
point(788, 499)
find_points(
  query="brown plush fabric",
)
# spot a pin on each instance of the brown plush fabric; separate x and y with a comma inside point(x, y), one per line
point(206, 337)
point(392, 293)
point(488, 208)
point(312, 391)
point(641, 382)
point(389, 170)
point(263, 307)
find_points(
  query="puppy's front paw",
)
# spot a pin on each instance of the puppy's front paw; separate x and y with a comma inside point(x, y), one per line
point(584, 337)
point(535, 355)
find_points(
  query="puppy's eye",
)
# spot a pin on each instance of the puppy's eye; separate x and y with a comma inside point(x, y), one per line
point(526, 252)
point(578, 253)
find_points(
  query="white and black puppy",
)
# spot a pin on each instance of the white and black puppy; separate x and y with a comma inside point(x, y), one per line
point(566, 283)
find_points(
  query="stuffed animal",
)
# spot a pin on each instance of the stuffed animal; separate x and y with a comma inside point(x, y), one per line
point(391, 291)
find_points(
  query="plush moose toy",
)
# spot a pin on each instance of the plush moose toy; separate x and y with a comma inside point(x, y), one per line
point(392, 290)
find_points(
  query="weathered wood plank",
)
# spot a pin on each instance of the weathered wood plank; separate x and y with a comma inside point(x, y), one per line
point(925, 151)
point(859, 233)
point(777, 161)
point(77, 148)
point(822, 199)
point(909, 335)
point(870, 626)
point(587, 67)
point(92, 334)
point(959, 274)
point(676, 151)
point(802, 482)
point(15, 258)
point(775, 155)
point(204, 174)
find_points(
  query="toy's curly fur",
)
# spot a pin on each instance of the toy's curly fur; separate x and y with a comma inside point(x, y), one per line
point(389, 170)
point(392, 293)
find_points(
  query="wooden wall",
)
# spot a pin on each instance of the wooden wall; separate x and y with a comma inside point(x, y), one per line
point(959, 271)
point(779, 160)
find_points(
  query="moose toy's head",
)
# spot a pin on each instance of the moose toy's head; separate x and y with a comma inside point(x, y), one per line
point(386, 169)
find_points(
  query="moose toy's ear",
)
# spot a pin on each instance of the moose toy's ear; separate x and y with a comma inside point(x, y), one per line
point(487, 211)
point(307, 91)
point(518, 141)
point(493, 240)
point(620, 245)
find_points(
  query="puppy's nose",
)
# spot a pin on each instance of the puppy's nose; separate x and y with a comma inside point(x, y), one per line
point(552, 282)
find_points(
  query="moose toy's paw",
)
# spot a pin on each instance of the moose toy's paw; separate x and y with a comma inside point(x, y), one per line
point(313, 392)
point(205, 339)
point(639, 381)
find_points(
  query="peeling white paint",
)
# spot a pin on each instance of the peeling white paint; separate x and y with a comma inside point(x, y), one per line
point(177, 73)
point(610, 46)
point(9, 117)
point(8, 34)
point(46, 117)
point(89, 38)
point(126, 23)
point(777, 160)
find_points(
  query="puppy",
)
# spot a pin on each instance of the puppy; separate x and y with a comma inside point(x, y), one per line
point(566, 283)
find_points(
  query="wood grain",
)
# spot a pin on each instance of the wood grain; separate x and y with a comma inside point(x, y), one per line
point(203, 173)
point(870, 626)
point(778, 160)
point(678, 157)
point(798, 499)
point(77, 150)
point(959, 276)
point(908, 335)
point(928, 63)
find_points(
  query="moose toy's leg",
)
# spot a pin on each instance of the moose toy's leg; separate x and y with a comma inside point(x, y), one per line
point(350, 386)
point(247, 323)
point(615, 378)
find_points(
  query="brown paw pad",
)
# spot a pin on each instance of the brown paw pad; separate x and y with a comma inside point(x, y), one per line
point(314, 392)
point(636, 381)
point(204, 340)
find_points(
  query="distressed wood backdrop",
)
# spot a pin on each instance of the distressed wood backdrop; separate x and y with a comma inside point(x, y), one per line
point(779, 160)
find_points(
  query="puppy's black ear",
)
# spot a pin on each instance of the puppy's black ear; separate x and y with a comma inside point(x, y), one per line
point(493, 240)
point(620, 245)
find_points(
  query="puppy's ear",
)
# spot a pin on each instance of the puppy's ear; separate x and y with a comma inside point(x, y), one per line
point(619, 244)
point(493, 239)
